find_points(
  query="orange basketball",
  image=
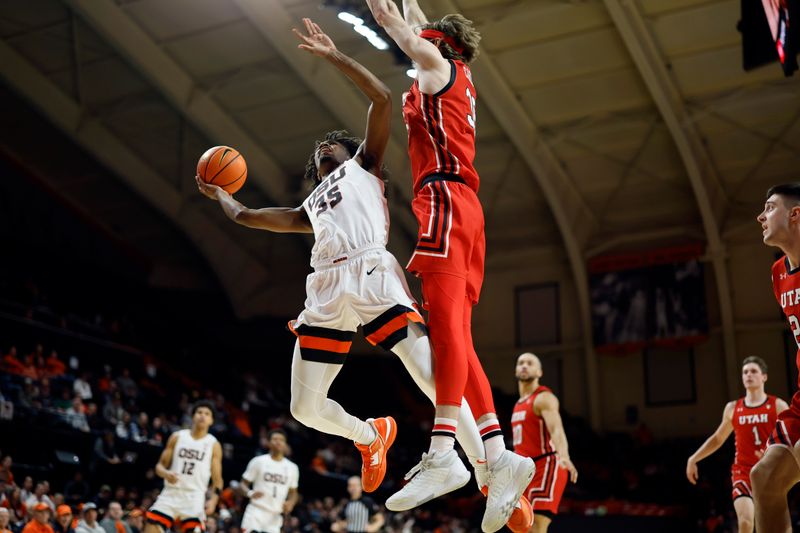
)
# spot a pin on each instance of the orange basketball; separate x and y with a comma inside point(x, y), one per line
point(223, 166)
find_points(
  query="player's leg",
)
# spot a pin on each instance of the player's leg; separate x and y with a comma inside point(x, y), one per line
point(158, 521)
point(772, 477)
point(541, 522)
point(745, 513)
point(509, 473)
point(444, 293)
point(415, 353)
point(310, 405)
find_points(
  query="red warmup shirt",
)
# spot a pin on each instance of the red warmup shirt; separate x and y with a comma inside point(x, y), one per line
point(441, 129)
point(786, 284)
point(531, 438)
point(752, 427)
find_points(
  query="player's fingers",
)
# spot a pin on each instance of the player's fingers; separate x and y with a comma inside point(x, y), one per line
point(309, 26)
point(300, 35)
point(316, 27)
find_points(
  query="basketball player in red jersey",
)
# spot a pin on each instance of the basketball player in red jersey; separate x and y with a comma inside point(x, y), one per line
point(538, 433)
point(439, 112)
point(751, 418)
point(778, 469)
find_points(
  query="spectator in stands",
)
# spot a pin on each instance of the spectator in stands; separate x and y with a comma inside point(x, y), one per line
point(5, 518)
point(76, 490)
point(113, 523)
point(76, 417)
point(92, 416)
point(124, 424)
point(54, 366)
point(6, 476)
point(29, 395)
point(40, 496)
point(45, 394)
point(103, 498)
point(15, 504)
point(63, 523)
point(139, 429)
point(11, 362)
point(113, 410)
point(127, 385)
point(41, 520)
point(29, 368)
point(82, 388)
point(105, 449)
point(135, 521)
point(89, 523)
point(27, 488)
point(105, 382)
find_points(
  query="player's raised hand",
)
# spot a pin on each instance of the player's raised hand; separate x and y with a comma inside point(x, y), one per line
point(211, 191)
point(314, 40)
point(566, 462)
point(691, 472)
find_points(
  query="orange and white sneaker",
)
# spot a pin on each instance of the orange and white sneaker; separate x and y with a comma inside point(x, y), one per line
point(373, 456)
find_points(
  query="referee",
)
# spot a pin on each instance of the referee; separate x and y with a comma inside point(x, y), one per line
point(361, 514)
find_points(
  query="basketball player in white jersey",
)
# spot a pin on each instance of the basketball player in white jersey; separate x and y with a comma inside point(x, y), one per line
point(356, 281)
point(273, 479)
point(191, 458)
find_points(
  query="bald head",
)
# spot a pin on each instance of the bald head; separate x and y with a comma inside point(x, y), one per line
point(529, 367)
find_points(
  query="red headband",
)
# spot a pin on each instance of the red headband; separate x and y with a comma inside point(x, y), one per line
point(436, 34)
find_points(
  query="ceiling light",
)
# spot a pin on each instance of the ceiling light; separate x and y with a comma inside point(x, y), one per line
point(359, 27)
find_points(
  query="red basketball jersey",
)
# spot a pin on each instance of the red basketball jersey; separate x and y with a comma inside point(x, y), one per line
point(752, 427)
point(441, 129)
point(531, 438)
point(786, 284)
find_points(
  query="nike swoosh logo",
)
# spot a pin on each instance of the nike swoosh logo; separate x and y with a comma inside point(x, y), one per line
point(371, 271)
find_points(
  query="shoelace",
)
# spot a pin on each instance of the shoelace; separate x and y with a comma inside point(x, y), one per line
point(421, 466)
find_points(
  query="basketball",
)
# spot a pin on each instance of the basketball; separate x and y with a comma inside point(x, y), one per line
point(223, 166)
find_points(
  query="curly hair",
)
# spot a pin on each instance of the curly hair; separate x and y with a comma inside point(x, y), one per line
point(463, 31)
point(342, 137)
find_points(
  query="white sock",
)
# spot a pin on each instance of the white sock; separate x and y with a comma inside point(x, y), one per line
point(495, 446)
point(363, 433)
point(441, 444)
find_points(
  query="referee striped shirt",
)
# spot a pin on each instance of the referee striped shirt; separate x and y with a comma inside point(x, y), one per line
point(357, 514)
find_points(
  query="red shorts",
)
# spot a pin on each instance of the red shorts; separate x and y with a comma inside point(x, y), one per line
point(547, 486)
point(787, 429)
point(740, 481)
point(451, 235)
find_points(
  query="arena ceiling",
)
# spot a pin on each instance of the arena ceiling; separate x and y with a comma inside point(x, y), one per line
point(601, 124)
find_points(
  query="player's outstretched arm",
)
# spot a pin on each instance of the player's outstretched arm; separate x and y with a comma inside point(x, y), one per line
point(216, 478)
point(165, 461)
point(547, 404)
point(276, 219)
point(413, 13)
point(379, 117)
point(423, 53)
point(712, 444)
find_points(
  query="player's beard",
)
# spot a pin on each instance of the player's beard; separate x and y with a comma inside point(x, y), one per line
point(526, 380)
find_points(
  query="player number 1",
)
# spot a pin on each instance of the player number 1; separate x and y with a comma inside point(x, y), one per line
point(755, 434)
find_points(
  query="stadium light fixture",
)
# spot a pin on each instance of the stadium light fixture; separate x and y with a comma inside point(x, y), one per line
point(359, 27)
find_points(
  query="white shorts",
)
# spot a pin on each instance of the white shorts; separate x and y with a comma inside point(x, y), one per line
point(175, 505)
point(255, 519)
point(369, 290)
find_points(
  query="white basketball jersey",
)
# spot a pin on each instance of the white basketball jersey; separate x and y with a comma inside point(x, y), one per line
point(191, 461)
point(273, 479)
point(348, 212)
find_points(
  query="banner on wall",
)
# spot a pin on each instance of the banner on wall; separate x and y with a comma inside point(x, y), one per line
point(648, 298)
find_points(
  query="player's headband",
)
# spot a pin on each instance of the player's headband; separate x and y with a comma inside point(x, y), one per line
point(436, 34)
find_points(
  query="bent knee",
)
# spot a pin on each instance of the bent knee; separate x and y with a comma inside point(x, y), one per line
point(304, 410)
